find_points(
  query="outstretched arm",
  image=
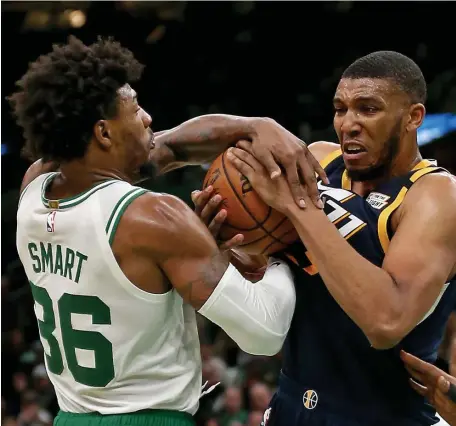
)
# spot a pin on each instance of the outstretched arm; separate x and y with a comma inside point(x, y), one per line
point(256, 316)
point(420, 258)
point(202, 139)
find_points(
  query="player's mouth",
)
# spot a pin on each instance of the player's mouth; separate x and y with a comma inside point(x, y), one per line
point(353, 150)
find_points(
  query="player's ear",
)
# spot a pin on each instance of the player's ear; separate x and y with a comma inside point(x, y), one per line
point(102, 133)
point(416, 117)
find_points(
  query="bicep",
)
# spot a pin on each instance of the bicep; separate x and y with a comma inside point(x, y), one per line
point(422, 255)
point(195, 276)
point(188, 255)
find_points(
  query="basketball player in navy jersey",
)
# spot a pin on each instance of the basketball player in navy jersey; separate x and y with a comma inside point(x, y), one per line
point(375, 271)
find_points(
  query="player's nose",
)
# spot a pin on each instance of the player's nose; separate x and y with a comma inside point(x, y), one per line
point(350, 125)
point(147, 119)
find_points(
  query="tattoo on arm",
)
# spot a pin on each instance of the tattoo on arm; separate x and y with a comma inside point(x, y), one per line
point(182, 149)
point(198, 290)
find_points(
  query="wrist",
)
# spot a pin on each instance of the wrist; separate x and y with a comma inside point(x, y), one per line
point(301, 216)
point(292, 211)
point(259, 124)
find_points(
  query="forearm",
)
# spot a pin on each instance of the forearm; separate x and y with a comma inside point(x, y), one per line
point(200, 140)
point(256, 316)
point(367, 293)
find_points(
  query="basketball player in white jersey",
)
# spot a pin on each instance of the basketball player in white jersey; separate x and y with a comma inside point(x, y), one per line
point(117, 272)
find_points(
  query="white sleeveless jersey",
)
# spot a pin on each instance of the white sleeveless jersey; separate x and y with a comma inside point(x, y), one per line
point(110, 347)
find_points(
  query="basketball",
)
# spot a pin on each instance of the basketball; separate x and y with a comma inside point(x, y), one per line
point(265, 230)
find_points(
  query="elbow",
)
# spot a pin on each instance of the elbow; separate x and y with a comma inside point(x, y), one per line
point(385, 336)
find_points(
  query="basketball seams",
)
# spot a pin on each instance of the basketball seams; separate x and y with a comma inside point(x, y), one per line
point(246, 208)
point(275, 242)
point(248, 211)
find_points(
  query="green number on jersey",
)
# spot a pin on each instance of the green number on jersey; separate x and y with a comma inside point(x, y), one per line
point(103, 371)
point(47, 327)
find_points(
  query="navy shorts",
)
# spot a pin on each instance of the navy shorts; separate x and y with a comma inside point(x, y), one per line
point(294, 405)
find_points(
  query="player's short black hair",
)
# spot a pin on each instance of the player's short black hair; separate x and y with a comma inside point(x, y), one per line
point(64, 93)
point(394, 66)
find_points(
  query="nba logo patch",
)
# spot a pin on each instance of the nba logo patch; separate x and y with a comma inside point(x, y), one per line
point(50, 226)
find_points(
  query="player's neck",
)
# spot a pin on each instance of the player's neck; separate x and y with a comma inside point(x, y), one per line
point(80, 175)
point(404, 161)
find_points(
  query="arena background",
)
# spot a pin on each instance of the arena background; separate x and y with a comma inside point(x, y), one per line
point(281, 60)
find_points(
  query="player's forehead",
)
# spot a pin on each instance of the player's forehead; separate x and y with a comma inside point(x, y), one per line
point(127, 94)
point(352, 89)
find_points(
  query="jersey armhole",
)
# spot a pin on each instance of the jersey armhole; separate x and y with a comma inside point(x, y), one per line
point(21, 195)
point(384, 220)
point(106, 237)
point(42, 176)
point(119, 210)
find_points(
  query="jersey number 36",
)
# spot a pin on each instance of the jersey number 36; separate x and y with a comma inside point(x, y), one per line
point(103, 371)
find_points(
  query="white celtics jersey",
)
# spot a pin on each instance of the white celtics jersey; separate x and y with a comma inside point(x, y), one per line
point(110, 347)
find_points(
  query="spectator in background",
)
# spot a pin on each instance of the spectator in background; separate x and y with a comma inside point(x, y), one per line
point(232, 410)
point(260, 395)
point(31, 413)
point(255, 418)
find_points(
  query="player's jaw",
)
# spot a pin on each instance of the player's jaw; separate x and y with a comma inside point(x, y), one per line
point(366, 162)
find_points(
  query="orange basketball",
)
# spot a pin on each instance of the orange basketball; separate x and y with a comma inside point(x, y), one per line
point(265, 230)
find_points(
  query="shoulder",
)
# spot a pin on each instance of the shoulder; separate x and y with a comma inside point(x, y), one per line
point(159, 223)
point(435, 189)
point(322, 149)
point(432, 196)
point(37, 169)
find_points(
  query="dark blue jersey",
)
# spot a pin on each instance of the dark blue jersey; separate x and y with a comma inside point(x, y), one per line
point(325, 350)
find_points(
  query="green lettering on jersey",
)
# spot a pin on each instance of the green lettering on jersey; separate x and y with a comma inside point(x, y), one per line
point(82, 258)
point(69, 263)
point(33, 249)
point(46, 257)
point(56, 259)
point(103, 370)
point(58, 267)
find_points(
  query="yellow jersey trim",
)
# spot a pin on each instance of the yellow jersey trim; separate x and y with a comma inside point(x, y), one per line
point(421, 169)
point(330, 158)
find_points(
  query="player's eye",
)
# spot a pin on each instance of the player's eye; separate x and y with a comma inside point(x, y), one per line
point(369, 109)
point(339, 110)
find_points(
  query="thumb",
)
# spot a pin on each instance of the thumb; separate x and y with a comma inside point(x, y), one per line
point(443, 384)
point(195, 195)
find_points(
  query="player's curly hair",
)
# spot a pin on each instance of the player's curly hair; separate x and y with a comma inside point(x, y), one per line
point(64, 93)
point(385, 64)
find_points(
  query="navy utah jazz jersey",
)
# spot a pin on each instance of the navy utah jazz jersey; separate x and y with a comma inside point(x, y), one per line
point(325, 351)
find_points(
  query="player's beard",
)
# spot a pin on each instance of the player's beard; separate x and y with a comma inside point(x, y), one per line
point(383, 166)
